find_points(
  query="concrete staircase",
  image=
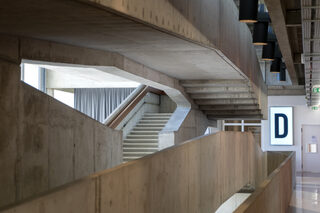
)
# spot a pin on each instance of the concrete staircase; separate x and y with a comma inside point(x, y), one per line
point(224, 99)
point(143, 138)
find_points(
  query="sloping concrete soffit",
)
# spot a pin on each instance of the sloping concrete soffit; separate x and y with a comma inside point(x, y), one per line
point(225, 48)
point(210, 24)
point(180, 40)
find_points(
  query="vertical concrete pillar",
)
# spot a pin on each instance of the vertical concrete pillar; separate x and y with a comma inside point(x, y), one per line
point(44, 143)
point(9, 95)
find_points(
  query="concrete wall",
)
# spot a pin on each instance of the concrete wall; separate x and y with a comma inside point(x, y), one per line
point(197, 176)
point(301, 115)
point(213, 23)
point(193, 126)
point(274, 194)
point(44, 143)
point(166, 104)
point(184, 124)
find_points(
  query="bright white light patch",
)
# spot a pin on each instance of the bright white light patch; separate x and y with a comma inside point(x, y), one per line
point(65, 97)
point(31, 75)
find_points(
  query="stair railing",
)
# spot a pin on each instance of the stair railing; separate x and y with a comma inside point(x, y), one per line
point(128, 104)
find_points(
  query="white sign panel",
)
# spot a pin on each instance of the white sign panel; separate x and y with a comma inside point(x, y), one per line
point(281, 126)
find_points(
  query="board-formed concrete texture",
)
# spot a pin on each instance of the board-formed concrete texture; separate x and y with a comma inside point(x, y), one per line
point(180, 39)
point(274, 194)
point(9, 132)
point(197, 176)
point(44, 143)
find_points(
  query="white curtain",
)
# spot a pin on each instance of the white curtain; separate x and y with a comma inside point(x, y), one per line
point(99, 103)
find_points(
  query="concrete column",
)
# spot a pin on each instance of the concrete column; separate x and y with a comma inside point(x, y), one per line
point(44, 143)
point(9, 98)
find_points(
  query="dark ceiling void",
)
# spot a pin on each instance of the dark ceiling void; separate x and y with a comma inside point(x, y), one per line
point(294, 28)
point(286, 21)
point(311, 47)
point(285, 17)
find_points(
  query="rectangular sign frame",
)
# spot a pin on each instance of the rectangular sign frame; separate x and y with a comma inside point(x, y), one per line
point(290, 126)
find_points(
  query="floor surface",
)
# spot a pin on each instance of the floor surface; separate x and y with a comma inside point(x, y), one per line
point(306, 196)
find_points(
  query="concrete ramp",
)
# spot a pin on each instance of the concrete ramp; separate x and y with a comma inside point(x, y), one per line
point(197, 176)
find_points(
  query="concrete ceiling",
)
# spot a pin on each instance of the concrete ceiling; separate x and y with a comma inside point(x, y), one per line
point(286, 22)
point(311, 44)
point(83, 77)
point(78, 24)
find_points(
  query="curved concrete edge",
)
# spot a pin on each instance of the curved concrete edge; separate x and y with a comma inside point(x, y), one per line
point(212, 24)
point(184, 124)
point(167, 135)
point(40, 51)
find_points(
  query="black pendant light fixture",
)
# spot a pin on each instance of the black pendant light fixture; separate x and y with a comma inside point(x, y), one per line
point(248, 11)
point(282, 72)
point(276, 65)
point(268, 51)
point(260, 33)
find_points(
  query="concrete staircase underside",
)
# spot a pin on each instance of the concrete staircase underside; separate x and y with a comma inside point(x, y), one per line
point(224, 99)
point(143, 138)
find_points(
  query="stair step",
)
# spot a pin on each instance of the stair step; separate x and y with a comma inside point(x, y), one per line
point(148, 128)
point(140, 149)
point(129, 158)
point(153, 121)
point(144, 132)
point(155, 136)
point(150, 125)
point(143, 138)
point(157, 114)
point(156, 118)
point(136, 154)
point(140, 145)
point(140, 140)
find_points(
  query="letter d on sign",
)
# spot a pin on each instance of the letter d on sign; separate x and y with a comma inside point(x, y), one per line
point(285, 123)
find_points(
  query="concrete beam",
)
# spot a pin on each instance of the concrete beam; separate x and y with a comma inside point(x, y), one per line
point(80, 77)
point(229, 107)
point(222, 96)
point(233, 112)
point(226, 101)
point(40, 51)
point(214, 83)
point(293, 18)
point(286, 90)
point(213, 24)
point(201, 90)
point(277, 14)
point(297, 58)
point(235, 117)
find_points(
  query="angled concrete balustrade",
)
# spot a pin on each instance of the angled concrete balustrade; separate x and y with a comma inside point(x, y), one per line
point(196, 176)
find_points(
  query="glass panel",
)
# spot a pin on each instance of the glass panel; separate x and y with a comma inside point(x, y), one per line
point(312, 148)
